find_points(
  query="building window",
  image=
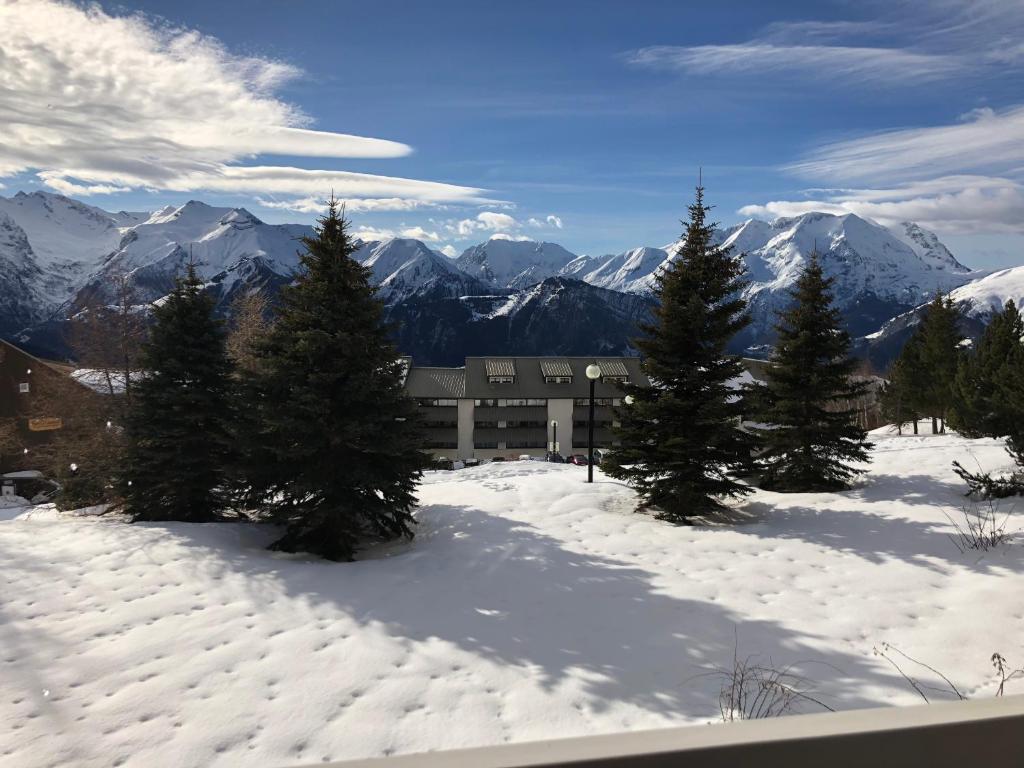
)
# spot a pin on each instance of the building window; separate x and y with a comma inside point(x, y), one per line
point(23, 387)
point(486, 403)
point(440, 424)
point(501, 379)
point(485, 444)
point(485, 424)
point(614, 402)
point(435, 402)
point(620, 379)
point(520, 402)
point(442, 444)
point(558, 379)
point(527, 444)
point(597, 424)
point(526, 424)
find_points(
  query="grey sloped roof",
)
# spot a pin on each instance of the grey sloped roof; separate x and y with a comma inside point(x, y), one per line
point(612, 367)
point(529, 380)
point(554, 366)
point(436, 382)
point(500, 366)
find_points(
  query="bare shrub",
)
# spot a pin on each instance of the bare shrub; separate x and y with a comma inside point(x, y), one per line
point(982, 526)
point(751, 690)
point(1005, 671)
point(886, 651)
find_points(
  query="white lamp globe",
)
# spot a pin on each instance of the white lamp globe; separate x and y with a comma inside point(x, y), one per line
point(629, 399)
point(593, 372)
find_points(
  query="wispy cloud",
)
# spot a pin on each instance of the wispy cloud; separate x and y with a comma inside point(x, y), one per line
point(95, 103)
point(984, 139)
point(912, 41)
point(860, 64)
point(948, 205)
point(352, 205)
point(502, 223)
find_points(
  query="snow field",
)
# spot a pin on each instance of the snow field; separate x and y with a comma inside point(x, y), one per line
point(531, 605)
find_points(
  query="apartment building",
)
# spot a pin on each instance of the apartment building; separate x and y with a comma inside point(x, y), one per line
point(510, 406)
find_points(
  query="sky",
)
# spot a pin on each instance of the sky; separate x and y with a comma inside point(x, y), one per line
point(580, 122)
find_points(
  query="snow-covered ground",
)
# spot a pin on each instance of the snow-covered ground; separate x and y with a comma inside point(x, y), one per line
point(530, 605)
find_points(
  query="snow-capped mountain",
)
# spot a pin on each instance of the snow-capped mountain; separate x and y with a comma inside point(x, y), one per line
point(514, 264)
point(629, 272)
point(49, 244)
point(403, 268)
point(218, 240)
point(57, 254)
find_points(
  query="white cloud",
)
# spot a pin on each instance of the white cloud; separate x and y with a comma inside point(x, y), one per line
point(948, 205)
point(858, 63)
point(449, 251)
point(506, 236)
point(982, 140)
point(419, 233)
point(548, 221)
point(493, 220)
point(484, 221)
point(95, 104)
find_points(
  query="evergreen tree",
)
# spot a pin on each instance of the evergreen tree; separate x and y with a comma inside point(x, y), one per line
point(337, 455)
point(902, 396)
point(176, 436)
point(680, 441)
point(939, 356)
point(813, 438)
point(980, 406)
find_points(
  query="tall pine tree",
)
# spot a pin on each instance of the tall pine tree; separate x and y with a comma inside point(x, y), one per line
point(176, 436)
point(336, 457)
point(938, 358)
point(813, 440)
point(680, 442)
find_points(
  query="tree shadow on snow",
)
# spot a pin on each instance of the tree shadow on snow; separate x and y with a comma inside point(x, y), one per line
point(504, 591)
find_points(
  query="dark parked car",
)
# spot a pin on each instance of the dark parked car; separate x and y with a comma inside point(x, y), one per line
point(557, 458)
point(578, 459)
point(498, 458)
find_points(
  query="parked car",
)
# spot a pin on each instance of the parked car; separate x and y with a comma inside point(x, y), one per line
point(600, 454)
point(578, 459)
point(557, 458)
point(474, 462)
point(498, 458)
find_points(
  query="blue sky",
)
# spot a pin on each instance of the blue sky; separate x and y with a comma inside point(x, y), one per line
point(579, 122)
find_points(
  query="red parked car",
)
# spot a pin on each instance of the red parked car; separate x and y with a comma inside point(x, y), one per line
point(578, 459)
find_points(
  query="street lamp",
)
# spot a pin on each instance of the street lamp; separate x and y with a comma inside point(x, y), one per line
point(593, 373)
point(554, 436)
point(629, 399)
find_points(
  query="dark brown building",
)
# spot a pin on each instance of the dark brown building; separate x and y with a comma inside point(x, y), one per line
point(34, 399)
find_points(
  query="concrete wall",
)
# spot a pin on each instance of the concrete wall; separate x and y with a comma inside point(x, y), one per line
point(466, 430)
point(561, 411)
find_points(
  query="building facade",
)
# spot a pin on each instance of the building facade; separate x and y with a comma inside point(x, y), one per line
point(33, 404)
point(513, 406)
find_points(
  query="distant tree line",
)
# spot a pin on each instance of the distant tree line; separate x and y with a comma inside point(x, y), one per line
point(977, 389)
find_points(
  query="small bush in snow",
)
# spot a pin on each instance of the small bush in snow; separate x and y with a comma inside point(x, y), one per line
point(982, 526)
point(754, 691)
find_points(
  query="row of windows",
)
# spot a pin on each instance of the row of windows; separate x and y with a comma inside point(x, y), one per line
point(597, 424)
point(510, 424)
point(612, 401)
point(441, 424)
point(503, 445)
point(511, 402)
point(558, 379)
point(501, 379)
point(442, 444)
point(438, 401)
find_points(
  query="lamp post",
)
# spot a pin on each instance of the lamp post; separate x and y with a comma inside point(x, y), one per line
point(554, 436)
point(593, 373)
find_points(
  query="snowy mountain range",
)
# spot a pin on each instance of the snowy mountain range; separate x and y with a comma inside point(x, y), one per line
point(58, 254)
